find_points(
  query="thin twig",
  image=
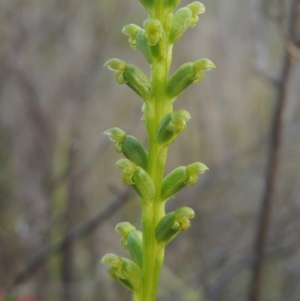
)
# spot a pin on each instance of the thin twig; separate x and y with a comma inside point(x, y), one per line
point(264, 218)
point(77, 232)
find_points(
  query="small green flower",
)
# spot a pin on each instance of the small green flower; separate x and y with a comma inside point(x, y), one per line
point(180, 23)
point(115, 65)
point(171, 126)
point(137, 81)
point(117, 136)
point(187, 74)
point(128, 170)
point(154, 35)
point(131, 31)
point(118, 66)
point(131, 240)
point(124, 229)
point(200, 66)
point(196, 8)
point(138, 178)
point(153, 31)
point(132, 76)
point(124, 270)
point(173, 223)
point(180, 177)
point(129, 146)
point(184, 18)
point(183, 216)
point(192, 172)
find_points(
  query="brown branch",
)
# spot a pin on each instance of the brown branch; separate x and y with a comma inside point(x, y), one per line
point(77, 232)
point(264, 218)
point(36, 112)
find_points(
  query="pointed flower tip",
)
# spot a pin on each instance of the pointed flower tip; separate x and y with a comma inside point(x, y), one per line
point(193, 170)
point(197, 7)
point(203, 168)
point(124, 228)
point(115, 134)
point(197, 168)
point(130, 29)
point(181, 115)
point(111, 260)
point(115, 65)
point(125, 164)
point(185, 212)
point(178, 121)
point(204, 65)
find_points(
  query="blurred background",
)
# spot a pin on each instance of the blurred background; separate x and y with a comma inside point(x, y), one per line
point(61, 194)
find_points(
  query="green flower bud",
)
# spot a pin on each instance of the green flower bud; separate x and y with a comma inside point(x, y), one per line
point(131, 240)
point(118, 66)
point(115, 261)
point(196, 8)
point(129, 146)
point(192, 172)
point(153, 31)
point(204, 65)
point(180, 80)
point(180, 177)
point(129, 170)
point(138, 177)
point(177, 123)
point(135, 151)
point(153, 34)
point(187, 74)
point(124, 270)
point(133, 274)
point(143, 183)
point(171, 126)
point(166, 229)
point(131, 31)
point(132, 76)
point(135, 246)
point(142, 44)
point(137, 81)
point(117, 136)
point(115, 65)
point(124, 229)
point(180, 23)
point(173, 223)
point(184, 18)
point(183, 216)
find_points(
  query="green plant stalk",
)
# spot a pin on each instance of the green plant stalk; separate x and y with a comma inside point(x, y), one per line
point(152, 213)
point(161, 121)
point(153, 254)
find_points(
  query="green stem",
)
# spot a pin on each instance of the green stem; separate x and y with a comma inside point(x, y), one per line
point(153, 211)
point(136, 297)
